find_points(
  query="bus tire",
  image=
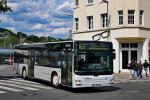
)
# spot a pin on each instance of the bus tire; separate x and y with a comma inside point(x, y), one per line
point(55, 80)
point(24, 73)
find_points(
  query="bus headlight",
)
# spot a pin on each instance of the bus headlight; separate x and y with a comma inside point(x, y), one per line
point(78, 81)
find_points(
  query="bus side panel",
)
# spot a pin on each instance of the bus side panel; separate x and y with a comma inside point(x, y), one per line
point(31, 62)
point(20, 67)
point(45, 73)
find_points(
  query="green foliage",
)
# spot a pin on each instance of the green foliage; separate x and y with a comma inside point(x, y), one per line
point(3, 6)
point(33, 38)
point(8, 39)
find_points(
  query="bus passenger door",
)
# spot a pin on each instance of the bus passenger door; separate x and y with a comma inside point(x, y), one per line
point(63, 72)
point(66, 68)
point(31, 63)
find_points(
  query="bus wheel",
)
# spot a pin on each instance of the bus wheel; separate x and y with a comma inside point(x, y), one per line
point(24, 74)
point(55, 82)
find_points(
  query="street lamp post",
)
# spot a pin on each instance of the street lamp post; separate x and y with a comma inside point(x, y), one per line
point(107, 23)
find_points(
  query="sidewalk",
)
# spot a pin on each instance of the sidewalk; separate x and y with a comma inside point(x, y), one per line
point(124, 77)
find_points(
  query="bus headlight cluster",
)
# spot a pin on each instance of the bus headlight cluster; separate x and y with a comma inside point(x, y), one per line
point(78, 82)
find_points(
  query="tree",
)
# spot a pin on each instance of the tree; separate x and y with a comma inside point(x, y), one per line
point(4, 7)
point(33, 38)
point(22, 35)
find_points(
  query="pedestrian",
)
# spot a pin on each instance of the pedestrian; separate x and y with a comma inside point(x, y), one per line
point(139, 68)
point(136, 70)
point(132, 67)
point(146, 66)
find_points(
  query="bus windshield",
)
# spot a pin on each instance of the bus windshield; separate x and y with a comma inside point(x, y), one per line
point(93, 60)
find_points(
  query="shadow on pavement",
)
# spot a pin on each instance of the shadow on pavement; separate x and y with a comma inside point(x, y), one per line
point(9, 77)
point(40, 81)
point(80, 90)
point(91, 90)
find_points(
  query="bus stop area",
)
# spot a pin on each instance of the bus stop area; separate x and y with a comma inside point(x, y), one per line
point(118, 77)
point(125, 77)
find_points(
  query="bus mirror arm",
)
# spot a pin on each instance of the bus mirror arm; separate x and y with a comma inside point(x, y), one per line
point(114, 54)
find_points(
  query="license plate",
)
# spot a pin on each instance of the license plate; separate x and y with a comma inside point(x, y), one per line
point(96, 85)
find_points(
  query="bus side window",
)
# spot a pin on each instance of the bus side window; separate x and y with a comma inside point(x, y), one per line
point(59, 64)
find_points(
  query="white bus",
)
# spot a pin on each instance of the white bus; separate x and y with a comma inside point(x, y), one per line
point(75, 64)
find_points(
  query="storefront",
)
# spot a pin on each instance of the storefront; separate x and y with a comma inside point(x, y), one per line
point(128, 49)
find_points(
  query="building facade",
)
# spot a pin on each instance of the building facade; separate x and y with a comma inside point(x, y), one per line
point(127, 20)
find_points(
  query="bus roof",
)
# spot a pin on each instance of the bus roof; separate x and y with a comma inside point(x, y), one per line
point(43, 45)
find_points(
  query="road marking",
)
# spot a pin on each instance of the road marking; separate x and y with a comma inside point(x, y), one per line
point(2, 92)
point(10, 89)
point(18, 86)
point(24, 81)
point(26, 84)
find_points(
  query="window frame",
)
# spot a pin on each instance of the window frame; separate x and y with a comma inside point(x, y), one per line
point(129, 45)
point(104, 20)
point(76, 24)
point(89, 1)
point(141, 17)
point(131, 17)
point(90, 22)
point(76, 3)
point(120, 17)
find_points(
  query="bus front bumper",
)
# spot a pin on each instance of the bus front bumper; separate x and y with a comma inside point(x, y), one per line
point(93, 81)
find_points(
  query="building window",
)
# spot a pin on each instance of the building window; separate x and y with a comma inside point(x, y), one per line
point(131, 16)
point(133, 45)
point(76, 2)
point(141, 17)
point(76, 24)
point(120, 17)
point(104, 20)
point(90, 1)
point(90, 22)
point(129, 45)
point(125, 45)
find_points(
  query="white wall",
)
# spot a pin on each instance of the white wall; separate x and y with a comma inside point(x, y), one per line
point(124, 33)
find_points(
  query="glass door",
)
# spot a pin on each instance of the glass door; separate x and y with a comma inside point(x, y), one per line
point(125, 59)
point(134, 54)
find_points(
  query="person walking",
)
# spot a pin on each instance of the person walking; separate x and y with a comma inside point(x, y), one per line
point(139, 68)
point(136, 70)
point(133, 67)
point(146, 66)
point(129, 68)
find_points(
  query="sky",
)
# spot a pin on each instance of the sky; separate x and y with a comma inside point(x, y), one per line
point(39, 17)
